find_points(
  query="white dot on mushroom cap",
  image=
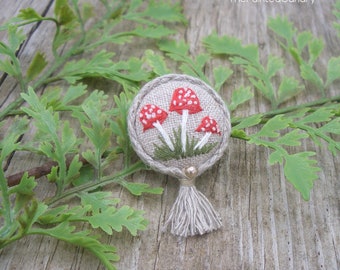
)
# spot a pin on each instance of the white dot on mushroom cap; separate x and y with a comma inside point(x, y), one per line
point(159, 111)
point(153, 115)
point(202, 129)
point(148, 116)
point(193, 96)
point(153, 106)
point(141, 115)
point(189, 102)
point(180, 104)
point(195, 102)
point(213, 128)
point(144, 121)
point(179, 97)
point(174, 102)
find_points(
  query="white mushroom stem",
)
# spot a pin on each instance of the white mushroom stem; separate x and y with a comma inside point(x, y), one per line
point(203, 141)
point(164, 134)
point(185, 114)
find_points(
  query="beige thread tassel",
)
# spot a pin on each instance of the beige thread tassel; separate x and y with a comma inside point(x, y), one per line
point(192, 213)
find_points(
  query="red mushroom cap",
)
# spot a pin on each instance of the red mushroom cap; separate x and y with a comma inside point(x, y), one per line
point(150, 114)
point(185, 98)
point(208, 124)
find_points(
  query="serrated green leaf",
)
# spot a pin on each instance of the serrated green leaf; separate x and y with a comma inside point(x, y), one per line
point(202, 59)
point(227, 45)
point(91, 158)
point(53, 175)
point(271, 128)
point(73, 169)
point(7, 67)
point(54, 215)
point(46, 120)
point(25, 186)
point(64, 12)
point(289, 87)
point(174, 48)
point(115, 219)
point(238, 133)
point(105, 253)
point(157, 63)
point(86, 174)
point(29, 14)
point(98, 201)
point(308, 74)
point(322, 114)
point(263, 89)
point(249, 121)
point(333, 70)
point(66, 34)
point(36, 67)
point(130, 70)
point(240, 96)
point(140, 188)
point(275, 157)
point(221, 75)
point(301, 171)
point(302, 40)
point(100, 65)
point(282, 27)
point(292, 138)
point(68, 139)
point(9, 142)
point(73, 92)
point(315, 47)
point(332, 127)
point(274, 64)
point(95, 125)
point(15, 37)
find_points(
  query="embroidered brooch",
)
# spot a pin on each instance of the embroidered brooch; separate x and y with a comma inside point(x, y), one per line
point(178, 125)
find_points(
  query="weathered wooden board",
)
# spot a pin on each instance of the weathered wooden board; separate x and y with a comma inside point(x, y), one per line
point(266, 224)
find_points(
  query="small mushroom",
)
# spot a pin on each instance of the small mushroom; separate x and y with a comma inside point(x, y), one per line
point(209, 126)
point(152, 116)
point(184, 101)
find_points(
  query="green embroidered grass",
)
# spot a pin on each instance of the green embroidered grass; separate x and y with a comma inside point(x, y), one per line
point(163, 152)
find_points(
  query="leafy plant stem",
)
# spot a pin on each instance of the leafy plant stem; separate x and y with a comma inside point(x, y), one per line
point(38, 20)
point(5, 203)
point(312, 132)
point(272, 113)
point(95, 184)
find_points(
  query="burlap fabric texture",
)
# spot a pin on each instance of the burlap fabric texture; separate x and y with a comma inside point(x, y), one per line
point(179, 125)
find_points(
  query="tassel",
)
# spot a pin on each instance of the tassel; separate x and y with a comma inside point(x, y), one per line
point(192, 213)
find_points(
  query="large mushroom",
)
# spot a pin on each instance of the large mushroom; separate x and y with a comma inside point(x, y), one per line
point(184, 101)
point(209, 126)
point(152, 116)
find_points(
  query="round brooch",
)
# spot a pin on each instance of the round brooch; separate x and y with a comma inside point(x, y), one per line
point(180, 126)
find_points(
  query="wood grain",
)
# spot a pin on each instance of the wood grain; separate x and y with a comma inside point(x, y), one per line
point(266, 224)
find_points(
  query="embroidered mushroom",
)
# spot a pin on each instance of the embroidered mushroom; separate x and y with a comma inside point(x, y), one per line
point(152, 116)
point(184, 101)
point(209, 126)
